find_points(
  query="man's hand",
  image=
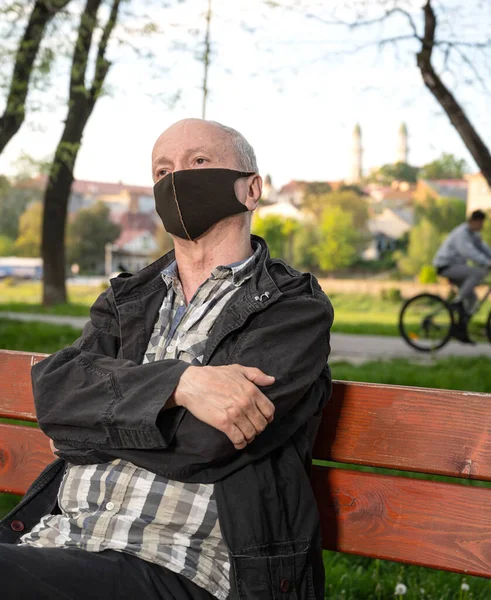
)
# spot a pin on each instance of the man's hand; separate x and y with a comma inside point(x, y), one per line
point(228, 399)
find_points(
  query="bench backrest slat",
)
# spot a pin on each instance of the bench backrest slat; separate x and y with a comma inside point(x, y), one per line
point(411, 429)
point(24, 452)
point(435, 524)
point(15, 384)
point(441, 525)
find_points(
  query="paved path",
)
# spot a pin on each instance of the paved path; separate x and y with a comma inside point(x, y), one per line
point(360, 348)
point(352, 348)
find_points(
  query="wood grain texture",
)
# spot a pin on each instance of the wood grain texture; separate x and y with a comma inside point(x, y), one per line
point(440, 525)
point(413, 429)
point(24, 452)
point(15, 384)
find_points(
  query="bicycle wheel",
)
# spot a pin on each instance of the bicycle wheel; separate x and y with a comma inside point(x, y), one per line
point(488, 327)
point(426, 322)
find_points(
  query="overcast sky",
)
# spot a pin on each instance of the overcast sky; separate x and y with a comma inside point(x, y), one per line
point(291, 84)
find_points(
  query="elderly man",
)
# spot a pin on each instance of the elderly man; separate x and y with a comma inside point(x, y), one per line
point(183, 417)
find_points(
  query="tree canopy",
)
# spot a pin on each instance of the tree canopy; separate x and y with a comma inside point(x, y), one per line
point(30, 226)
point(447, 166)
point(88, 233)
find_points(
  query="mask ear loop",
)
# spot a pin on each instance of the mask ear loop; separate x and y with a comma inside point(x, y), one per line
point(178, 208)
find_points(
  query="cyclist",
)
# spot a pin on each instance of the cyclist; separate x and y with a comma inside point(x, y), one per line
point(464, 244)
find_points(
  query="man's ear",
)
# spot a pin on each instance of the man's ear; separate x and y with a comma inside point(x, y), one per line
point(254, 191)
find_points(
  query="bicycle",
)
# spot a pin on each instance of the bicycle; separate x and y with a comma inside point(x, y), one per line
point(427, 321)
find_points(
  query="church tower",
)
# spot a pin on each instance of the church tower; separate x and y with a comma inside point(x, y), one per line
point(402, 146)
point(356, 156)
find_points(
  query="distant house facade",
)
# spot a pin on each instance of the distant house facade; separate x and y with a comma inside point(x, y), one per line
point(441, 188)
point(479, 196)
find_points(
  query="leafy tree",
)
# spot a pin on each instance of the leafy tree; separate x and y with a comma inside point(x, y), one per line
point(6, 246)
point(349, 201)
point(424, 240)
point(42, 13)
point(82, 99)
point(486, 231)
point(13, 202)
point(279, 234)
point(443, 213)
point(306, 238)
point(30, 227)
point(317, 188)
point(339, 239)
point(88, 233)
point(399, 171)
point(447, 166)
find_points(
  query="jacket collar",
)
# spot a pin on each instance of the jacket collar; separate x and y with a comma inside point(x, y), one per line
point(261, 287)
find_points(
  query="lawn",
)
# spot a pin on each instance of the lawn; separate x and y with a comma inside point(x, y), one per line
point(35, 336)
point(347, 577)
point(357, 314)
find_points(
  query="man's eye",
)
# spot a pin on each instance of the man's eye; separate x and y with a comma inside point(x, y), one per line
point(200, 161)
point(161, 173)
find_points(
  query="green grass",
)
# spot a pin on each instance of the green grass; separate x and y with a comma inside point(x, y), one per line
point(455, 373)
point(356, 313)
point(369, 315)
point(35, 337)
point(26, 297)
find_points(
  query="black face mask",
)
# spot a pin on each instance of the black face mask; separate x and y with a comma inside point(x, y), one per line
point(189, 202)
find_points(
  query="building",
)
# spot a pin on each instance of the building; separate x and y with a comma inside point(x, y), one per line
point(386, 228)
point(402, 153)
point(356, 172)
point(441, 188)
point(479, 194)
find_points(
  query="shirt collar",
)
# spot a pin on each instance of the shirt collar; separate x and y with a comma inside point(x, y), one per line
point(238, 272)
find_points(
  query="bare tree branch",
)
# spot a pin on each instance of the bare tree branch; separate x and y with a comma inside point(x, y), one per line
point(445, 98)
point(14, 113)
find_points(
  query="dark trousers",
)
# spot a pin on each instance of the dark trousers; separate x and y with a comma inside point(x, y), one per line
point(28, 573)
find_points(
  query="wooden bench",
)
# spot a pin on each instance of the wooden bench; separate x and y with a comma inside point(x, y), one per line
point(436, 524)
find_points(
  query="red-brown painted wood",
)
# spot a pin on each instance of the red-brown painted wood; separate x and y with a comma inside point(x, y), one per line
point(413, 429)
point(440, 525)
point(15, 384)
point(24, 452)
point(431, 431)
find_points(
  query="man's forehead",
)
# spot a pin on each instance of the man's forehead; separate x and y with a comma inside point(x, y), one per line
point(192, 135)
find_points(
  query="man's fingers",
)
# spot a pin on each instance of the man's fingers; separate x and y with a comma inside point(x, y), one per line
point(257, 376)
point(266, 407)
point(236, 436)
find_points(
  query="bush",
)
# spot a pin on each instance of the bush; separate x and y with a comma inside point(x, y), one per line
point(9, 281)
point(428, 274)
point(391, 295)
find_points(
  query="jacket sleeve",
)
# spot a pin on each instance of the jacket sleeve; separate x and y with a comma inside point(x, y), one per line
point(468, 248)
point(290, 341)
point(87, 397)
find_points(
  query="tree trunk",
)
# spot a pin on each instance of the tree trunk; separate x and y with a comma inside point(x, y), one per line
point(81, 104)
point(14, 113)
point(444, 97)
point(56, 199)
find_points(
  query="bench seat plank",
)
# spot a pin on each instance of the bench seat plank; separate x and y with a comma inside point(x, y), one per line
point(433, 524)
point(15, 384)
point(24, 452)
point(412, 429)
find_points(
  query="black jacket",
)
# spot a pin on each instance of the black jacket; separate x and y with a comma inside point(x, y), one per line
point(98, 402)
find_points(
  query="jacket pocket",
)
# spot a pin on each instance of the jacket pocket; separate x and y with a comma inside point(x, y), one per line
point(276, 577)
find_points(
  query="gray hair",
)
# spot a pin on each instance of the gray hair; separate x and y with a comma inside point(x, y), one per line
point(246, 157)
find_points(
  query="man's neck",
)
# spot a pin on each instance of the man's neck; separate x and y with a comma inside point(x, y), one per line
point(220, 246)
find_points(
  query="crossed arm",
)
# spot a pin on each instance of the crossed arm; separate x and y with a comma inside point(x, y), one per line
point(86, 397)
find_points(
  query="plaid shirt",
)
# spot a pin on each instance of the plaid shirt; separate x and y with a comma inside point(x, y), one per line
point(119, 506)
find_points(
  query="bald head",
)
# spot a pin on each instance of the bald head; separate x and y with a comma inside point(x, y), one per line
point(195, 143)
